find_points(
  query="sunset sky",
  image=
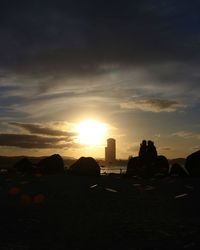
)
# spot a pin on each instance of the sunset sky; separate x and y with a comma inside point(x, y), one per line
point(131, 65)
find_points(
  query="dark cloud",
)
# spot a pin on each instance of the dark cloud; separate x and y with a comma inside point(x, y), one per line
point(40, 137)
point(33, 141)
point(74, 37)
point(152, 105)
point(42, 130)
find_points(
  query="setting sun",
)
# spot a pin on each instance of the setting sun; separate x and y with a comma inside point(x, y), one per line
point(91, 132)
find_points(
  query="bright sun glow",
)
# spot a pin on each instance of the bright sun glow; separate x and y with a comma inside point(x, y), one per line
point(91, 132)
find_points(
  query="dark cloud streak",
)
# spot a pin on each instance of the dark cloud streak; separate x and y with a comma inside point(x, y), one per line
point(40, 137)
point(42, 130)
point(32, 141)
point(153, 105)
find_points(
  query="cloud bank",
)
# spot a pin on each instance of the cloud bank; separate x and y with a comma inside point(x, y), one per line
point(42, 130)
point(39, 137)
point(32, 141)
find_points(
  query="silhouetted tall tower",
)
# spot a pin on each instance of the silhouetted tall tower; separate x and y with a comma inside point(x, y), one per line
point(110, 151)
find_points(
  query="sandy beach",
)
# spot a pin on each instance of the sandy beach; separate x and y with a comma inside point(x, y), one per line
point(106, 212)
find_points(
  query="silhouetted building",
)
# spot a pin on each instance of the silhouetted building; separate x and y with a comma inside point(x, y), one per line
point(110, 151)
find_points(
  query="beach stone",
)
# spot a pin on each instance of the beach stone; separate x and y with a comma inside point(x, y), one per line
point(157, 166)
point(134, 166)
point(141, 167)
point(52, 165)
point(24, 166)
point(192, 163)
point(162, 165)
point(85, 166)
point(177, 170)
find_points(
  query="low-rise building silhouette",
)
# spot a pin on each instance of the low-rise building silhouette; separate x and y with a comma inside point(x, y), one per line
point(110, 151)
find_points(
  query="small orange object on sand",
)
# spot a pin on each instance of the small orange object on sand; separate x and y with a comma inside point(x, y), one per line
point(39, 198)
point(25, 199)
point(14, 191)
point(38, 175)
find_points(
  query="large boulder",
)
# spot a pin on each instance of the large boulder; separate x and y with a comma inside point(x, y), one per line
point(137, 166)
point(85, 166)
point(192, 164)
point(52, 165)
point(162, 165)
point(177, 170)
point(24, 166)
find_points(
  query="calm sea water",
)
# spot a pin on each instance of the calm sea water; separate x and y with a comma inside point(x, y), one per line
point(113, 169)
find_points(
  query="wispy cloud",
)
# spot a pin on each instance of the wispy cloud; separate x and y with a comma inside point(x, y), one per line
point(165, 149)
point(196, 148)
point(187, 135)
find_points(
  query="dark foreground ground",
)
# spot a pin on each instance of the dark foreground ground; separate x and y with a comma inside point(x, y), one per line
point(107, 212)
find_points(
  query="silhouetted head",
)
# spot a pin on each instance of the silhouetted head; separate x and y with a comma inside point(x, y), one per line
point(144, 143)
point(150, 143)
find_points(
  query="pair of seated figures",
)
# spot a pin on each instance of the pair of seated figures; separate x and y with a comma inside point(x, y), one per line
point(147, 150)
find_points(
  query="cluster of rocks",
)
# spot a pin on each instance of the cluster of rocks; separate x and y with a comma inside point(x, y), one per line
point(50, 165)
point(54, 164)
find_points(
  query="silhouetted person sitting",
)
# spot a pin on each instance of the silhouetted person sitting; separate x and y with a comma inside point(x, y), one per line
point(151, 151)
point(143, 149)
